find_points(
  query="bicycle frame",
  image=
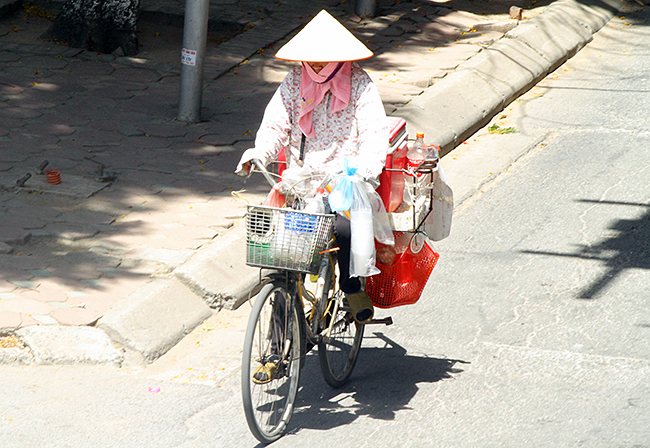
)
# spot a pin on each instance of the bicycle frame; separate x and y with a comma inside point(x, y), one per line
point(294, 281)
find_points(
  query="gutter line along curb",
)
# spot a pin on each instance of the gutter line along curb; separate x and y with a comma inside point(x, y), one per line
point(156, 317)
point(449, 112)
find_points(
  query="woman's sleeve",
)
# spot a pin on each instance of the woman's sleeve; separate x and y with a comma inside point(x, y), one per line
point(373, 132)
point(274, 132)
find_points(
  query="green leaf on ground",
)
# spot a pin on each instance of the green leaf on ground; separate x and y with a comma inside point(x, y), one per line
point(495, 129)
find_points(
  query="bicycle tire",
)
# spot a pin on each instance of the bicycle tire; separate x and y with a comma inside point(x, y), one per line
point(338, 353)
point(269, 407)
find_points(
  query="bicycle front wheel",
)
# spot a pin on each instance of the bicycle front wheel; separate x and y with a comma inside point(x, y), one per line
point(340, 341)
point(273, 333)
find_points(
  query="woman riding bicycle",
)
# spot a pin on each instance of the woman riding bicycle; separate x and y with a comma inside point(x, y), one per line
point(326, 109)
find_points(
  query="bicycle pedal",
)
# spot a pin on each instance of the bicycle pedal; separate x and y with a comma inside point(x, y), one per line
point(386, 321)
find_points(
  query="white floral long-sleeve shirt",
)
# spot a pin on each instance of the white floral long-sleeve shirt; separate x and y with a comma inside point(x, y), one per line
point(358, 132)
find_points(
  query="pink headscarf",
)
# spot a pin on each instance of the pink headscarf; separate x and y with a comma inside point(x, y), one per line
point(335, 77)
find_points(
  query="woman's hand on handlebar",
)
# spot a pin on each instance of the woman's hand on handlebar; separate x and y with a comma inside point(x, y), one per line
point(246, 166)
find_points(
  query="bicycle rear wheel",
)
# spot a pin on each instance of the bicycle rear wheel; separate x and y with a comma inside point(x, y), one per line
point(273, 329)
point(338, 350)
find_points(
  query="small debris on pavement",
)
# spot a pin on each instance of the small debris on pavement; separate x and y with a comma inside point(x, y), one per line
point(41, 167)
point(21, 182)
point(11, 341)
point(53, 177)
point(496, 129)
point(516, 12)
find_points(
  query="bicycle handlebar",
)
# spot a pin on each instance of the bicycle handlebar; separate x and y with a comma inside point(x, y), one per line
point(262, 169)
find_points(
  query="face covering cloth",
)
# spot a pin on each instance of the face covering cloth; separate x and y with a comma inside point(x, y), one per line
point(334, 77)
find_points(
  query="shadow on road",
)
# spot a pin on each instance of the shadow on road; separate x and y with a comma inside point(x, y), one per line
point(626, 247)
point(174, 181)
point(384, 382)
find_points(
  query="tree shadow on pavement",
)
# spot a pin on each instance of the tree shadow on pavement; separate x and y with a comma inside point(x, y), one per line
point(174, 181)
point(383, 383)
point(626, 247)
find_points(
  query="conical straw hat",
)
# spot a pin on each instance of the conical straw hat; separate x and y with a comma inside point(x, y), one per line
point(324, 39)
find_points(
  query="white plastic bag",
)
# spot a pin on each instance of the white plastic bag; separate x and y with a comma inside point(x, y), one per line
point(438, 223)
point(362, 244)
point(296, 181)
point(381, 223)
point(351, 192)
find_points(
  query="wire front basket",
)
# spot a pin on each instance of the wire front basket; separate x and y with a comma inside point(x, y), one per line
point(286, 239)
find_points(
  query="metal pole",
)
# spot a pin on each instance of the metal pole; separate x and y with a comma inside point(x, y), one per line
point(365, 8)
point(195, 37)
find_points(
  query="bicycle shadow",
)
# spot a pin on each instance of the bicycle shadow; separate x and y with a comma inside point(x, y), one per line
point(384, 381)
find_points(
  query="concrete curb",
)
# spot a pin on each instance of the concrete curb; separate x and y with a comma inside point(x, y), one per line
point(448, 112)
point(154, 318)
point(157, 316)
point(69, 345)
point(466, 99)
point(219, 273)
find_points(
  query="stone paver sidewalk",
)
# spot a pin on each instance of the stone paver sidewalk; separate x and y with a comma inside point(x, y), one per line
point(70, 252)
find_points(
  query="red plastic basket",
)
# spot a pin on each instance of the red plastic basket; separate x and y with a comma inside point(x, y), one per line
point(403, 282)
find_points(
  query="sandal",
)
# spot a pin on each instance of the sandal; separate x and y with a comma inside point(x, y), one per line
point(266, 371)
point(361, 306)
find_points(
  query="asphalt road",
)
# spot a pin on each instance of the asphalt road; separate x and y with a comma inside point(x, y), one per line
point(533, 330)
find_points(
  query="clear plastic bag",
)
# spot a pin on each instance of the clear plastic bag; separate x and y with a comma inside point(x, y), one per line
point(342, 196)
point(351, 194)
point(362, 244)
point(297, 181)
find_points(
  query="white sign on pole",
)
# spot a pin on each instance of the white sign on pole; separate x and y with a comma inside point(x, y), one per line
point(188, 57)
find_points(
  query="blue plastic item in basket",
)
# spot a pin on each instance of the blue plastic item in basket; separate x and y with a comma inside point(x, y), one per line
point(300, 222)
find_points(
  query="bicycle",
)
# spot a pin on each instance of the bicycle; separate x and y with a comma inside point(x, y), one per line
point(287, 319)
